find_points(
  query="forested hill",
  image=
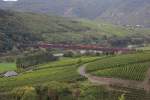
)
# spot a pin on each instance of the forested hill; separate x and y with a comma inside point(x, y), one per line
point(19, 28)
point(124, 12)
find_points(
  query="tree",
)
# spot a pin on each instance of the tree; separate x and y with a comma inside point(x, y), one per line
point(25, 93)
point(31, 60)
point(122, 97)
point(69, 54)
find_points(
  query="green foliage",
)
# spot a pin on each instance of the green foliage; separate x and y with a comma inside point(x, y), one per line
point(25, 93)
point(122, 97)
point(34, 59)
point(18, 28)
point(69, 54)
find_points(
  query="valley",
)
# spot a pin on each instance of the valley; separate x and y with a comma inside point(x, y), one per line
point(75, 50)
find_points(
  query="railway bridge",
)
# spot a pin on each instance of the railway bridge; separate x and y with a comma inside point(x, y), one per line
point(85, 47)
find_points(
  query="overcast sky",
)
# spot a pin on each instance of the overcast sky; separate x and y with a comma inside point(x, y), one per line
point(9, 0)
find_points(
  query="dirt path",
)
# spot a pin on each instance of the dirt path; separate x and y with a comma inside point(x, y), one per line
point(112, 81)
point(146, 82)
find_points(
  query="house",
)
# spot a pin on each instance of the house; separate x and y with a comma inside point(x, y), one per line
point(10, 74)
point(83, 51)
point(58, 55)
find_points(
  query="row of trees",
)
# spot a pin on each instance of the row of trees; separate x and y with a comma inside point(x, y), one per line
point(60, 91)
point(50, 91)
point(31, 60)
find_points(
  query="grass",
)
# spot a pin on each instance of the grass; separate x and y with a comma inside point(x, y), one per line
point(108, 28)
point(7, 67)
point(144, 48)
point(40, 76)
point(67, 62)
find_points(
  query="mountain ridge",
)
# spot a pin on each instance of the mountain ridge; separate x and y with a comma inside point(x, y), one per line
point(122, 12)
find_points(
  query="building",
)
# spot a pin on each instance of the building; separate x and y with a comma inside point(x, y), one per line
point(10, 74)
point(58, 55)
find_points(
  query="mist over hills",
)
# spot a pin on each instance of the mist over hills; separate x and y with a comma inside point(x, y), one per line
point(124, 12)
point(74, 49)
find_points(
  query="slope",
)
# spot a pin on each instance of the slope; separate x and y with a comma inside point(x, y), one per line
point(19, 28)
point(124, 12)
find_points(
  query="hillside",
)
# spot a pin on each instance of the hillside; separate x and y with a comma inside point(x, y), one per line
point(74, 49)
point(17, 28)
point(23, 28)
point(132, 12)
point(124, 12)
point(62, 79)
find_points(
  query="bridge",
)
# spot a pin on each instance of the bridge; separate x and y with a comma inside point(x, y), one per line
point(84, 47)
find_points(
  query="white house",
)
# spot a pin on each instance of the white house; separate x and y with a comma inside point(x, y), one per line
point(10, 74)
point(58, 55)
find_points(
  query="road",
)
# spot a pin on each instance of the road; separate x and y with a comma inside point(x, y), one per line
point(115, 81)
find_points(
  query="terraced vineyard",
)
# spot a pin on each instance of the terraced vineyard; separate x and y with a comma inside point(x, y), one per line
point(130, 66)
point(66, 62)
point(64, 72)
point(131, 71)
point(54, 71)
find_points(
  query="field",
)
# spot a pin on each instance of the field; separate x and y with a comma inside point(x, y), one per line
point(63, 70)
point(130, 66)
point(132, 72)
point(7, 67)
point(67, 61)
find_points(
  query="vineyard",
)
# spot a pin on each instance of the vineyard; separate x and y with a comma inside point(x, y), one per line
point(62, 74)
point(62, 70)
point(132, 72)
point(67, 62)
point(130, 66)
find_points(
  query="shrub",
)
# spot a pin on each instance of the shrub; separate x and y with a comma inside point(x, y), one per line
point(53, 91)
point(34, 59)
point(122, 97)
point(25, 93)
point(69, 54)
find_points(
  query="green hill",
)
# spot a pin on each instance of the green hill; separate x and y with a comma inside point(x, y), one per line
point(18, 28)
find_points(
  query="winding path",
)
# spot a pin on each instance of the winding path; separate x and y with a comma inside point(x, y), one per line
point(115, 81)
point(146, 82)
